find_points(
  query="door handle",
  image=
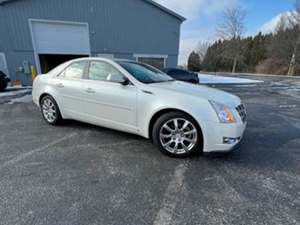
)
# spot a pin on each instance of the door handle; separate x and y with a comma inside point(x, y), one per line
point(90, 91)
point(60, 85)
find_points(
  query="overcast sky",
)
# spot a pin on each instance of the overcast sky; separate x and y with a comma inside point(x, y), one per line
point(203, 15)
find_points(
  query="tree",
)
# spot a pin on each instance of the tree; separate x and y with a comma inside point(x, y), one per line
point(194, 62)
point(281, 48)
point(210, 61)
point(258, 51)
point(202, 48)
point(296, 23)
point(232, 29)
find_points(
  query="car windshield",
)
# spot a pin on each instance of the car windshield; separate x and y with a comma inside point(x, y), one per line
point(145, 73)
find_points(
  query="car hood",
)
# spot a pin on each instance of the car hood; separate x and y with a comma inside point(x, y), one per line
point(199, 91)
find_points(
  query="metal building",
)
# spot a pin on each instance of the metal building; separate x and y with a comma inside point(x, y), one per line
point(40, 34)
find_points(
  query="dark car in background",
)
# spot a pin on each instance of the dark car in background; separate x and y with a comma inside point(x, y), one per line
point(182, 75)
point(4, 80)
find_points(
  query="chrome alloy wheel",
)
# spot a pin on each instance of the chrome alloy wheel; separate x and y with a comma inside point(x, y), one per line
point(178, 136)
point(49, 110)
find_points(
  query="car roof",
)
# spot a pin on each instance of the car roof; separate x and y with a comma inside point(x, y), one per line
point(104, 59)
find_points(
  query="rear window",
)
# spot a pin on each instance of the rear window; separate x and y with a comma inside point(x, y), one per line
point(75, 70)
point(57, 70)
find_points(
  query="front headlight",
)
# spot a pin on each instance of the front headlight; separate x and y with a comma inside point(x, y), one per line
point(223, 112)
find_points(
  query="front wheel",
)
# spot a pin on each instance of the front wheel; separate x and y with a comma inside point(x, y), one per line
point(50, 110)
point(177, 135)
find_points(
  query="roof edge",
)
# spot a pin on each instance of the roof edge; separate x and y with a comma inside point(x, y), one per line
point(165, 9)
point(161, 7)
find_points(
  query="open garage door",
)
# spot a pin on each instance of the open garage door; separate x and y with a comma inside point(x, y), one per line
point(49, 61)
point(55, 42)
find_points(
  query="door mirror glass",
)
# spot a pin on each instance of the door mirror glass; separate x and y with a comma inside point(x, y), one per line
point(125, 81)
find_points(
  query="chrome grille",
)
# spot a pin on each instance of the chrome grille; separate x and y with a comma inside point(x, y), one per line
point(242, 112)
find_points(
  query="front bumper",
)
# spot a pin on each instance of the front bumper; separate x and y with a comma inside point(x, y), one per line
point(215, 134)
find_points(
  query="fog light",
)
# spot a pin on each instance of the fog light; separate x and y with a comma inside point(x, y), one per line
point(230, 141)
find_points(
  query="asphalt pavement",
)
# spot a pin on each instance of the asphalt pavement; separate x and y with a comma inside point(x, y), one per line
point(82, 174)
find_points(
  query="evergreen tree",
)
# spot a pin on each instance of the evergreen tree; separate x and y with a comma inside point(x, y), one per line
point(270, 53)
point(194, 62)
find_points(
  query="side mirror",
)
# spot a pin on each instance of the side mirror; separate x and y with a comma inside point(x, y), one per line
point(117, 78)
point(125, 81)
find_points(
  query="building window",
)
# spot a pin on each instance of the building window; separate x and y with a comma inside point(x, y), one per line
point(158, 61)
point(104, 55)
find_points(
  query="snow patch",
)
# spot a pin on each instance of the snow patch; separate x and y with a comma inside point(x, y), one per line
point(272, 25)
point(214, 79)
point(12, 91)
point(24, 99)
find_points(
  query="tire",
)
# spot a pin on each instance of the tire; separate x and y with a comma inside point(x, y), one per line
point(194, 81)
point(3, 86)
point(50, 110)
point(187, 137)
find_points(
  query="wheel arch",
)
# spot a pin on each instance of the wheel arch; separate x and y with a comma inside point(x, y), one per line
point(48, 94)
point(43, 95)
point(161, 112)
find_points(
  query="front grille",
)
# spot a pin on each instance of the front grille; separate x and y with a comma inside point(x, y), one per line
point(242, 112)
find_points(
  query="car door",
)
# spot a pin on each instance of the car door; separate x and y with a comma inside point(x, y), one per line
point(107, 101)
point(69, 90)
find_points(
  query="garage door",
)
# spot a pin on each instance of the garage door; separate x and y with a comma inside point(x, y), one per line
point(52, 37)
point(59, 38)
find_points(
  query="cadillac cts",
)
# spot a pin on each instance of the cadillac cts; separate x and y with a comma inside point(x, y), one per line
point(180, 118)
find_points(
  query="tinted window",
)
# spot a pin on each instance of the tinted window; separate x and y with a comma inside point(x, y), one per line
point(145, 73)
point(103, 71)
point(179, 72)
point(75, 70)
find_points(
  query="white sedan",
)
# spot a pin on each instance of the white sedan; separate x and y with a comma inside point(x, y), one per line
point(180, 118)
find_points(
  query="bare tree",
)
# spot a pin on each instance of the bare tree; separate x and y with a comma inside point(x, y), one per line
point(295, 20)
point(232, 29)
point(286, 22)
point(233, 24)
point(202, 48)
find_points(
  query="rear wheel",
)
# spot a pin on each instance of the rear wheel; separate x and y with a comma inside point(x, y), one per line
point(177, 135)
point(50, 110)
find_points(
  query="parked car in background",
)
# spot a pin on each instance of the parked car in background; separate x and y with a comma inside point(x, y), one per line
point(180, 118)
point(182, 75)
point(4, 80)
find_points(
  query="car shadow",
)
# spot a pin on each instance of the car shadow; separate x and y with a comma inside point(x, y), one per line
point(86, 126)
point(268, 150)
